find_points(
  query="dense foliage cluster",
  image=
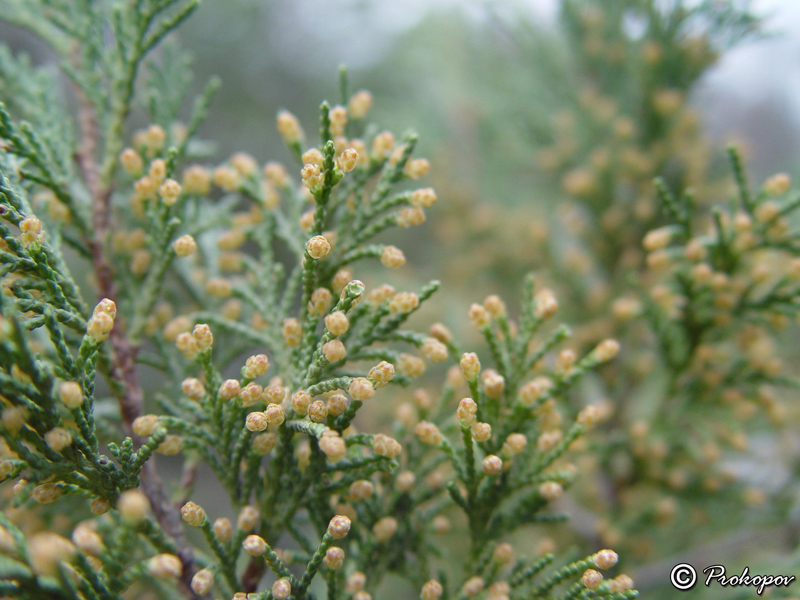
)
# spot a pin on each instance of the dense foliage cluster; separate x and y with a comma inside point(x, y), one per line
point(161, 307)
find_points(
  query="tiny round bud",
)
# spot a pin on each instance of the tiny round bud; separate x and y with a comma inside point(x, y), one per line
point(202, 336)
point(196, 181)
point(385, 529)
point(355, 582)
point(255, 366)
point(565, 361)
point(417, 168)
point(99, 506)
point(13, 418)
point(503, 554)
point(621, 583)
point(410, 366)
point(428, 433)
point(250, 394)
point(432, 590)
point(592, 579)
point(313, 156)
point(348, 160)
point(193, 514)
point(479, 316)
point(466, 411)
point(337, 405)
point(172, 444)
point(535, 390)
point(405, 481)
point(131, 161)
point(47, 551)
point(359, 104)
point(202, 582)
point(223, 529)
point(434, 350)
point(392, 257)
point(46, 492)
point(58, 439)
point(184, 246)
point(320, 303)
point(386, 446)
point(333, 446)
point(607, 350)
point(404, 302)
point(301, 400)
point(516, 443)
point(767, 212)
point(154, 137)
point(264, 443)
point(169, 191)
point(470, 365)
point(361, 389)
point(256, 421)
point(481, 432)
point(546, 304)
point(657, 239)
point(548, 440)
point(382, 145)
point(281, 589)
point(249, 518)
point(777, 184)
point(382, 373)
point(473, 586)
point(275, 414)
point(360, 490)
point(145, 425)
point(492, 465)
point(165, 566)
point(31, 228)
point(334, 351)
point(334, 558)
point(551, 491)
point(605, 559)
point(292, 332)
point(337, 323)
point(495, 306)
point(424, 197)
point(71, 394)
point(254, 545)
point(289, 127)
point(193, 389)
point(493, 383)
point(318, 247)
point(99, 326)
point(244, 164)
point(158, 169)
point(589, 416)
point(133, 505)
point(339, 527)
point(87, 540)
point(229, 389)
point(318, 411)
point(441, 525)
point(276, 393)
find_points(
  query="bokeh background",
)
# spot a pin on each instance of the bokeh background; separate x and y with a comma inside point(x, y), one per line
point(416, 58)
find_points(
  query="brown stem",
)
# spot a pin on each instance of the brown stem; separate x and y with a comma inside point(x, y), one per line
point(187, 482)
point(252, 574)
point(124, 352)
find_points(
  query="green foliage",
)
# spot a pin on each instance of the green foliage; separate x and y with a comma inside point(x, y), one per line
point(186, 280)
